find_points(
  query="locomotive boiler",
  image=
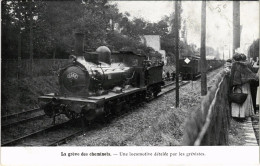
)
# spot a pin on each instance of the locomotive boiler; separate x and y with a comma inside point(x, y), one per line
point(91, 73)
point(87, 78)
point(99, 82)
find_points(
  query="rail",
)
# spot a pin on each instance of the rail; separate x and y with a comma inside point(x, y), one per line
point(17, 140)
point(19, 114)
point(10, 124)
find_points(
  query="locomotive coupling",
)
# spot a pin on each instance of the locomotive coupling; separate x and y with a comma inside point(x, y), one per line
point(53, 108)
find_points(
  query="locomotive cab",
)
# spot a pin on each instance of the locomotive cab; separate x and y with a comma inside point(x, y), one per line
point(133, 60)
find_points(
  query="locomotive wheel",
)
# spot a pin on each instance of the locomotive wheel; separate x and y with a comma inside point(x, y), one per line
point(126, 108)
point(149, 94)
point(117, 109)
point(90, 115)
point(141, 97)
point(155, 94)
point(49, 110)
point(70, 114)
point(84, 122)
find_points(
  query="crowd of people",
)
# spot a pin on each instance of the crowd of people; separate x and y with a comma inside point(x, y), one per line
point(244, 81)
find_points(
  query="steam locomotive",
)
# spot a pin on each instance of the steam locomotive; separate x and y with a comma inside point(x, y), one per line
point(101, 83)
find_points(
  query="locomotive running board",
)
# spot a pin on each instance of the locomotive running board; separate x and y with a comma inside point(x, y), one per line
point(50, 96)
point(113, 95)
point(91, 99)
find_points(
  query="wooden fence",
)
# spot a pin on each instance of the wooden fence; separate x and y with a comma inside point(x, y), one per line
point(209, 124)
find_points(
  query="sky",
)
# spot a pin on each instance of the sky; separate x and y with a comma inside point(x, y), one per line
point(219, 20)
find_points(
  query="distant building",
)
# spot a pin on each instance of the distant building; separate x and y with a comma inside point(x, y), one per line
point(154, 42)
point(211, 57)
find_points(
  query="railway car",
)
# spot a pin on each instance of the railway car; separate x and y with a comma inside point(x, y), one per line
point(190, 67)
point(101, 83)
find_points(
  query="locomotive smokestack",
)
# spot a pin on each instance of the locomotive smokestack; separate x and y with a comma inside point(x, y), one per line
point(79, 43)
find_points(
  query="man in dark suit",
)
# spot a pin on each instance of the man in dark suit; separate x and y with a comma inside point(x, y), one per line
point(254, 84)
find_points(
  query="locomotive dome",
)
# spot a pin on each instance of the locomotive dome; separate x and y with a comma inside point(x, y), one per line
point(104, 54)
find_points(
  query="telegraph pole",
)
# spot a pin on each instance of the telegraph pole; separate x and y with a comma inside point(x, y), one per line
point(19, 52)
point(223, 59)
point(177, 50)
point(203, 62)
point(31, 37)
point(236, 25)
point(229, 51)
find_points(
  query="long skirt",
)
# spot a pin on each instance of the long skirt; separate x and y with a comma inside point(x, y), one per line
point(246, 109)
point(258, 96)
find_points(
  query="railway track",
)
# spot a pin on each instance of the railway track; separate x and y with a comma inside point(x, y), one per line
point(6, 117)
point(168, 84)
point(53, 135)
point(62, 132)
point(22, 117)
point(167, 88)
point(17, 122)
point(34, 114)
point(36, 138)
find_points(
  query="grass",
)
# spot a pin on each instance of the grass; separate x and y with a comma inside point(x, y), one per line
point(22, 94)
point(157, 123)
point(164, 132)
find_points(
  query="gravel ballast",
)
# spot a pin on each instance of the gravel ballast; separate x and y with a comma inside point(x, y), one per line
point(157, 123)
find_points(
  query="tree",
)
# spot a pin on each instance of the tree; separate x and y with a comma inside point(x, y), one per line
point(18, 20)
point(10, 31)
point(54, 24)
point(254, 50)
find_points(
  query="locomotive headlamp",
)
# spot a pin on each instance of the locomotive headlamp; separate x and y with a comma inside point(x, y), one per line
point(73, 58)
point(42, 103)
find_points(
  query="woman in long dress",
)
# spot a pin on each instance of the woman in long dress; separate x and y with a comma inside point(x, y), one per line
point(239, 81)
point(258, 90)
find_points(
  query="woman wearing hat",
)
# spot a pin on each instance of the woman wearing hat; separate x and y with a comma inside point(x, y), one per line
point(241, 75)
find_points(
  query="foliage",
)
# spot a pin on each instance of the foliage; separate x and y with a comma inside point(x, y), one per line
point(18, 17)
point(23, 93)
point(54, 24)
point(254, 50)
